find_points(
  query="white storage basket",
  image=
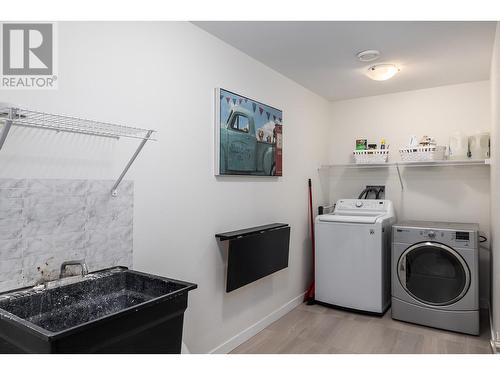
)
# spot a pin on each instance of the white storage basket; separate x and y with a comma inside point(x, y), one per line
point(371, 156)
point(422, 153)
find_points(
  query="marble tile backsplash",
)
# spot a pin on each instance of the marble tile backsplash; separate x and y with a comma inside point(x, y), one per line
point(44, 222)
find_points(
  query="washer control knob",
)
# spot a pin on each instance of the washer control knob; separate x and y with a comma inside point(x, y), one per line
point(359, 204)
point(431, 234)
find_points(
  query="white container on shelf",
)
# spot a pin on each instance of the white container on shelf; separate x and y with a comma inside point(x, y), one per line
point(479, 146)
point(371, 156)
point(459, 146)
point(422, 153)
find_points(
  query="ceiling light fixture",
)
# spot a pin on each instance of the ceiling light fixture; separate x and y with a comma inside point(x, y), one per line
point(382, 72)
point(368, 55)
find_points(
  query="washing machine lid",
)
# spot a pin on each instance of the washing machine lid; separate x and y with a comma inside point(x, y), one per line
point(360, 211)
point(365, 218)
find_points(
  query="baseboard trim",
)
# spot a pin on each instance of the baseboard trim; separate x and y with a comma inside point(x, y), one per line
point(251, 331)
point(184, 349)
point(494, 343)
point(495, 346)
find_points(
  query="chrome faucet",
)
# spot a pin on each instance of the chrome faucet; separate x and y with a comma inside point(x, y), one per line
point(80, 263)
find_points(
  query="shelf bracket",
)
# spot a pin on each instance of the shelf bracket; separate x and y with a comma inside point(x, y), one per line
point(7, 126)
point(5, 132)
point(399, 175)
point(114, 191)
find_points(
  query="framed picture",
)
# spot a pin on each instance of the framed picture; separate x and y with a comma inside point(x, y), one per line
point(248, 136)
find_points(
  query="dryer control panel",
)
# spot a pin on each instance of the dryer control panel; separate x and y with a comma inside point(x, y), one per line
point(460, 239)
point(456, 238)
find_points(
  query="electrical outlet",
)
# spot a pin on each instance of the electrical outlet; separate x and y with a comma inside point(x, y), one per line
point(380, 188)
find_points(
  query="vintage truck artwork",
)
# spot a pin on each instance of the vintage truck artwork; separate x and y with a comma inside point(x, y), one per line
point(248, 136)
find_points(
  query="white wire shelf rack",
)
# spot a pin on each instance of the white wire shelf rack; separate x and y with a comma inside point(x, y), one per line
point(15, 116)
point(410, 164)
point(430, 163)
point(63, 123)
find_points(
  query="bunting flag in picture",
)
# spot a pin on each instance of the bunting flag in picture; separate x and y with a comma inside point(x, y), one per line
point(221, 97)
point(261, 110)
point(228, 99)
point(246, 100)
point(234, 101)
point(240, 100)
point(254, 106)
point(274, 118)
point(279, 119)
point(268, 115)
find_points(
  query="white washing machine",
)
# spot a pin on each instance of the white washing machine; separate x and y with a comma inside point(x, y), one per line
point(435, 275)
point(352, 262)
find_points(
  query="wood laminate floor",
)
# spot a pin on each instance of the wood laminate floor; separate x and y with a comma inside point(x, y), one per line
point(318, 329)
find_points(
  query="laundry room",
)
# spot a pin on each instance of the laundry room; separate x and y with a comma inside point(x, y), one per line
point(431, 193)
point(239, 185)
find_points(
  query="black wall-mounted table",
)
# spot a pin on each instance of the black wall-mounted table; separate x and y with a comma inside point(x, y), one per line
point(255, 253)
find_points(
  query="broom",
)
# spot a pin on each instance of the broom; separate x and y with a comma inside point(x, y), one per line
point(309, 296)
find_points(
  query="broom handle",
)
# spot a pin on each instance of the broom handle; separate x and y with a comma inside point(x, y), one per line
point(312, 222)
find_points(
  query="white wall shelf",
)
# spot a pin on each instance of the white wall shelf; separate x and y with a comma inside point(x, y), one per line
point(15, 116)
point(397, 165)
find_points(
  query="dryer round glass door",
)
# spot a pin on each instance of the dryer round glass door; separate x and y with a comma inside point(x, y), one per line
point(433, 273)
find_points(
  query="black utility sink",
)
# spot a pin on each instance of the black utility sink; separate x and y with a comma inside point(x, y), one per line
point(115, 310)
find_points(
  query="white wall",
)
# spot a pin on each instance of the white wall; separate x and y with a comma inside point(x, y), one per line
point(444, 194)
point(495, 185)
point(163, 75)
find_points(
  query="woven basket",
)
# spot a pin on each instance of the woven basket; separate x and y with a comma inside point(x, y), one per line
point(422, 153)
point(371, 156)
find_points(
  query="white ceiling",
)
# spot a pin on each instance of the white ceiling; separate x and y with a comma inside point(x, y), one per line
point(322, 55)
